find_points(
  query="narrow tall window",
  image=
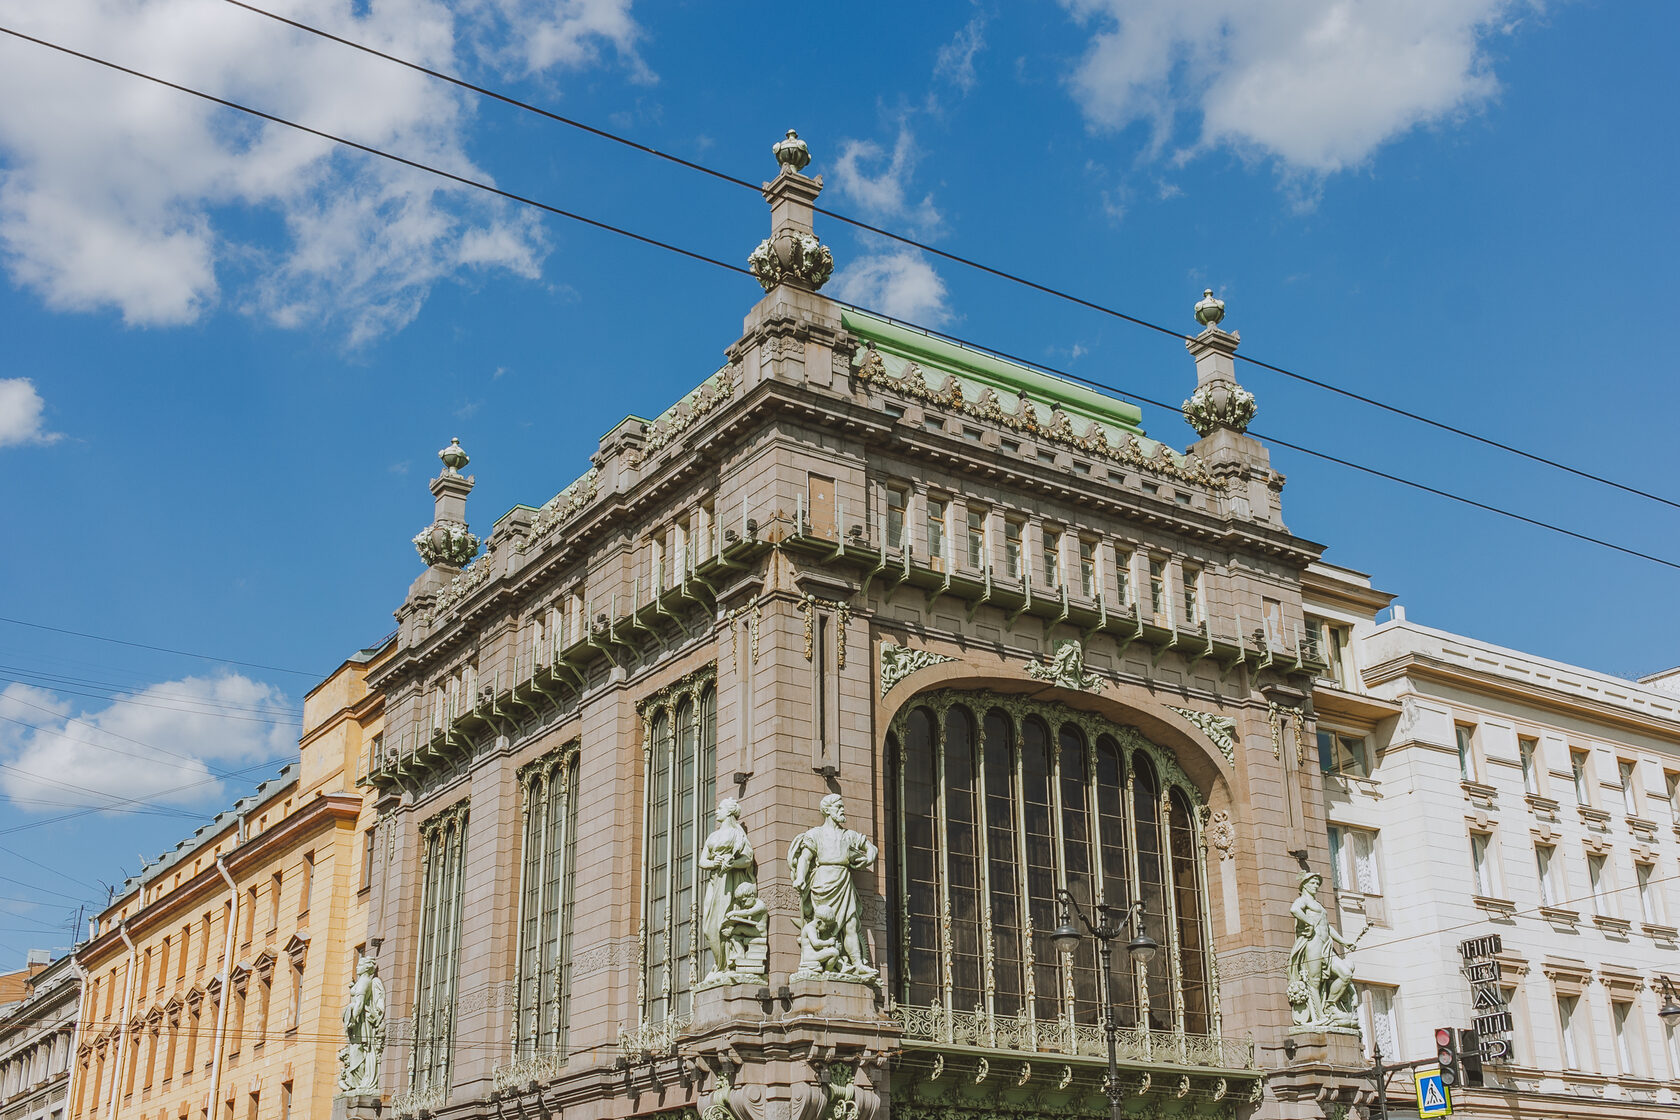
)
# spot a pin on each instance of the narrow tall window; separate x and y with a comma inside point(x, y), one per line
point(1527, 749)
point(163, 965)
point(938, 532)
point(1123, 576)
point(898, 502)
point(1353, 860)
point(1052, 541)
point(1625, 775)
point(1466, 736)
point(443, 851)
point(1598, 877)
point(1481, 862)
point(370, 846)
point(1671, 795)
point(1545, 859)
point(308, 887)
point(1620, 1012)
point(1192, 595)
point(1013, 527)
point(1377, 1021)
point(680, 763)
point(275, 884)
point(548, 790)
point(1569, 1029)
point(1088, 569)
point(1578, 769)
point(976, 539)
point(1650, 906)
point(1158, 589)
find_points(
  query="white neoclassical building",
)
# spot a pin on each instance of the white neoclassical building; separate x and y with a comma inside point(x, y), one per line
point(1473, 790)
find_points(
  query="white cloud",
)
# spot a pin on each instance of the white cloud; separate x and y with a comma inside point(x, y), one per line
point(955, 62)
point(142, 747)
point(1316, 84)
point(21, 409)
point(118, 194)
point(880, 183)
point(899, 282)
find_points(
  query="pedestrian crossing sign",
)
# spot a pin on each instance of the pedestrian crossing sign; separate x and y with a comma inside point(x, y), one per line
point(1432, 1095)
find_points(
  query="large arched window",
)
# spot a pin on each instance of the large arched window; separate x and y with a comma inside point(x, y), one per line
point(994, 803)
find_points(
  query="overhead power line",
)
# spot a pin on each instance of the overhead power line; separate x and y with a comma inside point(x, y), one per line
point(692, 255)
point(103, 637)
point(957, 258)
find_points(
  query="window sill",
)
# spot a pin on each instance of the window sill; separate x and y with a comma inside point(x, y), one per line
point(1501, 906)
point(1642, 826)
point(1597, 818)
point(1479, 793)
point(1542, 806)
point(1660, 932)
point(1610, 924)
point(1558, 915)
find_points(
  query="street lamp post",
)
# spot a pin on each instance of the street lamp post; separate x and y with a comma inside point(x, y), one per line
point(1670, 1010)
point(1111, 924)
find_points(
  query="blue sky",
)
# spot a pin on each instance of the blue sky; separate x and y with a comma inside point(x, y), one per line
point(231, 352)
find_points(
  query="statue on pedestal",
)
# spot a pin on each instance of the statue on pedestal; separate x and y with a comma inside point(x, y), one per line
point(733, 919)
point(364, 1033)
point(1320, 982)
point(823, 861)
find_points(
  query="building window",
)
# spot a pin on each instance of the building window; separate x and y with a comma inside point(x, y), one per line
point(294, 1012)
point(1331, 641)
point(1466, 736)
point(1377, 1021)
point(1671, 1047)
point(163, 965)
point(976, 539)
point(274, 887)
point(1625, 776)
point(938, 532)
point(679, 757)
point(1481, 863)
point(1527, 750)
point(1598, 877)
point(1547, 864)
point(1013, 527)
point(992, 806)
point(1052, 540)
point(308, 888)
point(370, 846)
point(1088, 568)
point(1353, 860)
point(1192, 595)
point(1650, 903)
point(1671, 783)
point(1569, 1027)
point(1583, 785)
point(442, 856)
point(898, 502)
point(1343, 754)
point(1627, 1039)
point(548, 790)
point(1158, 589)
point(1123, 576)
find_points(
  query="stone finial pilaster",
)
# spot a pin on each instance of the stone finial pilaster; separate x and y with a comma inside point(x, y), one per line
point(447, 542)
point(792, 254)
point(1218, 402)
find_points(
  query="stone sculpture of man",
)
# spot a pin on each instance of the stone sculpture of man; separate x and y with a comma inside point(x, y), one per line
point(823, 861)
point(732, 919)
point(364, 1033)
point(1320, 981)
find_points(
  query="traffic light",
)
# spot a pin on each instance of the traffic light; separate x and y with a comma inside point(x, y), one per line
point(1446, 1054)
point(1470, 1054)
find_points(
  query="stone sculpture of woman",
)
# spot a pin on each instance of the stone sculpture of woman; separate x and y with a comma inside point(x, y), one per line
point(822, 861)
point(364, 1033)
point(732, 918)
point(1320, 981)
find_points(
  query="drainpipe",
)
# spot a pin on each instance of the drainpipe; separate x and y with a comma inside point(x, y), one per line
point(128, 1009)
point(76, 1031)
point(227, 972)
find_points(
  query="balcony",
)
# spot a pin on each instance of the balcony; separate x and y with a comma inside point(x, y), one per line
point(979, 1031)
point(528, 1068)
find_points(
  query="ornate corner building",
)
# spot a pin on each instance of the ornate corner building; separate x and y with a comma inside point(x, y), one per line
point(1028, 647)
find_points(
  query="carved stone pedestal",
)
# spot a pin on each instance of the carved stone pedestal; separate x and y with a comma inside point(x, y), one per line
point(357, 1108)
point(833, 999)
point(1325, 1074)
point(721, 1003)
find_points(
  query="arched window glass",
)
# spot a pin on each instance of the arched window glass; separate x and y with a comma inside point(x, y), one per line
point(1187, 901)
point(659, 867)
point(1146, 811)
point(990, 814)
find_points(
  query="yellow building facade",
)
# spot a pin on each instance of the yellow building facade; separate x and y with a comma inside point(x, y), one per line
point(215, 978)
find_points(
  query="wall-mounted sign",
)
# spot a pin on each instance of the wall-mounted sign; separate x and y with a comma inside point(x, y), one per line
point(1490, 1015)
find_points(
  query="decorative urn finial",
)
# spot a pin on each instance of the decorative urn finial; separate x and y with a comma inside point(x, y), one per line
point(792, 153)
point(454, 457)
point(1209, 311)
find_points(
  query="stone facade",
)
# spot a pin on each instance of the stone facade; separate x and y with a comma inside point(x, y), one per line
point(1474, 791)
point(37, 1039)
point(748, 596)
point(215, 977)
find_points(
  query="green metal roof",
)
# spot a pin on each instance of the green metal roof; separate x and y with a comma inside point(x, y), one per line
point(990, 371)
